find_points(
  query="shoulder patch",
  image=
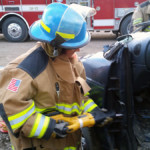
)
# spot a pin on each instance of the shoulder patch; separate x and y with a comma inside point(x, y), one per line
point(35, 63)
point(14, 85)
point(144, 4)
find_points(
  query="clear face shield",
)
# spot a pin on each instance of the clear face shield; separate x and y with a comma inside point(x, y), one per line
point(85, 11)
point(72, 20)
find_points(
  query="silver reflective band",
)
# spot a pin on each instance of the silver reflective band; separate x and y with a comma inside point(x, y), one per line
point(67, 109)
point(81, 123)
point(22, 118)
point(40, 126)
point(88, 106)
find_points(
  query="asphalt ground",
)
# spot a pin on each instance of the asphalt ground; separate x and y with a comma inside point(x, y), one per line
point(10, 50)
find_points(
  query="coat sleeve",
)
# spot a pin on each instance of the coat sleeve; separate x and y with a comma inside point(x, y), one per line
point(137, 17)
point(17, 97)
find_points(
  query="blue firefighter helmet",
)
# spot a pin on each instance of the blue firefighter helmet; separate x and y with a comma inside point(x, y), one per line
point(61, 20)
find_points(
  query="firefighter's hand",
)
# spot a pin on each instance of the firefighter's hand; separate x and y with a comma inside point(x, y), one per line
point(102, 116)
point(60, 130)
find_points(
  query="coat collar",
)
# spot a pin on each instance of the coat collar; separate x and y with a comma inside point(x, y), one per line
point(64, 68)
point(67, 71)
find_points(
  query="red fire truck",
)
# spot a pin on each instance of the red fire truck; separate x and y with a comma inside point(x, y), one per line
point(17, 15)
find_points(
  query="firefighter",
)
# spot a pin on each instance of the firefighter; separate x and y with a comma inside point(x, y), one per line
point(48, 78)
point(141, 14)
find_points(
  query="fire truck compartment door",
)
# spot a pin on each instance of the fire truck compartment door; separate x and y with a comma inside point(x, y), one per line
point(11, 5)
point(104, 18)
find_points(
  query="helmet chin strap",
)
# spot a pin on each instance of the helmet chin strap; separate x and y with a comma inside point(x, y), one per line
point(56, 43)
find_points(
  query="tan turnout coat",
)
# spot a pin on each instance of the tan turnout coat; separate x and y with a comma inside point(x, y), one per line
point(39, 86)
point(141, 14)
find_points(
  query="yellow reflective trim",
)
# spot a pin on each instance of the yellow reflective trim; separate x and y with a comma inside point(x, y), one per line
point(70, 108)
point(12, 147)
point(88, 102)
point(45, 109)
point(86, 94)
point(137, 21)
point(147, 29)
point(35, 126)
point(70, 112)
point(91, 108)
point(45, 126)
point(40, 109)
point(16, 126)
point(13, 117)
point(70, 148)
point(45, 27)
point(69, 105)
point(65, 35)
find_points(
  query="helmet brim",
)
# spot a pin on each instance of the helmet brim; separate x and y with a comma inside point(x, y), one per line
point(36, 32)
point(78, 44)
